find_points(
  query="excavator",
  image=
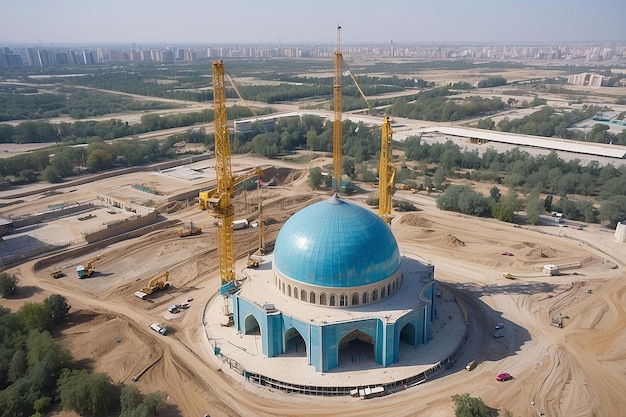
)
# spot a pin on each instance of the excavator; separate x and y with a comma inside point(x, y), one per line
point(86, 272)
point(157, 283)
point(190, 230)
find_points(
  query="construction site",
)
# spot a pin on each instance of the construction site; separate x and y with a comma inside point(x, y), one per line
point(238, 302)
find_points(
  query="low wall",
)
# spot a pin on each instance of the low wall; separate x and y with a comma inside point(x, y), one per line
point(53, 214)
point(90, 247)
point(122, 227)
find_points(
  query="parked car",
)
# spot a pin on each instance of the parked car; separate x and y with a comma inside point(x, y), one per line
point(498, 335)
point(499, 326)
point(505, 376)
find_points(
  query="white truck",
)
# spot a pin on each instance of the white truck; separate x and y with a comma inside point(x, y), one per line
point(159, 329)
point(240, 224)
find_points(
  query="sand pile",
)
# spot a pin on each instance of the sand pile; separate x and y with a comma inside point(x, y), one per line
point(450, 241)
point(542, 252)
point(415, 220)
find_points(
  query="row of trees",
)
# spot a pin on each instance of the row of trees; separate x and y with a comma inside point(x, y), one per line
point(38, 103)
point(37, 373)
point(81, 132)
point(436, 105)
point(518, 170)
point(549, 122)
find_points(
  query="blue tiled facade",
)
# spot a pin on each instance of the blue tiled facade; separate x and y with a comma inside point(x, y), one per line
point(323, 340)
point(336, 244)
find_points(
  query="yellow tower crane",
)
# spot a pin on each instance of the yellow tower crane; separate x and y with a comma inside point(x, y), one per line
point(337, 123)
point(218, 200)
point(386, 173)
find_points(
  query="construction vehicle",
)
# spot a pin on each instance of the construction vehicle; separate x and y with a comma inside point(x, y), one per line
point(159, 329)
point(157, 283)
point(190, 230)
point(218, 201)
point(508, 275)
point(86, 272)
point(386, 173)
point(57, 273)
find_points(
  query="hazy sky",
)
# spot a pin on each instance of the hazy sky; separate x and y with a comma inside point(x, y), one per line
point(173, 22)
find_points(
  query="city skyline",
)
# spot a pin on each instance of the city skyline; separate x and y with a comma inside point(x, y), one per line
point(45, 23)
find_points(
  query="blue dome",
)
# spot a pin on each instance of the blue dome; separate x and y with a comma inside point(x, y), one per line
point(335, 243)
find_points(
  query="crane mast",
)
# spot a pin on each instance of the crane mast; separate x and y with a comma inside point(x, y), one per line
point(337, 145)
point(220, 202)
point(386, 173)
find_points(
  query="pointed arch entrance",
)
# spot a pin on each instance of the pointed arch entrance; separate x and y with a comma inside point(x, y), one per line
point(294, 343)
point(356, 347)
point(251, 326)
point(407, 335)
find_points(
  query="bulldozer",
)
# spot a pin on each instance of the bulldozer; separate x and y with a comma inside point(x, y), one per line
point(508, 275)
point(86, 272)
point(157, 283)
point(190, 230)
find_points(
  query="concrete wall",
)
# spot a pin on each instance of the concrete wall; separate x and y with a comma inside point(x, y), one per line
point(122, 227)
point(53, 214)
point(91, 247)
point(620, 232)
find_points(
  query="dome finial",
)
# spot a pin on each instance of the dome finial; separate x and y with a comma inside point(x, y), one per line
point(335, 199)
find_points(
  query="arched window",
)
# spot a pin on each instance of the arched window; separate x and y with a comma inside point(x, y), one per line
point(283, 287)
point(312, 297)
point(295, 292)
point(393, 287)
point(374, 295)
point(364, 298)
point(332, 300)
point(289, 290)
point(302, 295)
point(343, 300)
point(323, 299)
point(388, 290)
point(355, 299)
point(382, 293)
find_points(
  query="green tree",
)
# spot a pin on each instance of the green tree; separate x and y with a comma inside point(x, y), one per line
point(130, 398)
point(19, 365)
point(495, 194)
point(467, 406)
point(438, 178)
point(35, 316)
point(42, 405)
point(98, 160)
point(8, 284)
point(547, 203)
point(86, 394)
point(51, 174)
point(57, 307)
point(315, 177)
point(613, 210)
point(154, 401)
point(534, 208)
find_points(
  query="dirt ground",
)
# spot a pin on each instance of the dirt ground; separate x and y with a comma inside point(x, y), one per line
point(576, 370)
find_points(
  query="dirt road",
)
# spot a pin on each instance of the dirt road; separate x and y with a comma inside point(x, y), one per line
point(576, 370)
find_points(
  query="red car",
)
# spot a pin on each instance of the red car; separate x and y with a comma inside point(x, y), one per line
point(503, 377)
